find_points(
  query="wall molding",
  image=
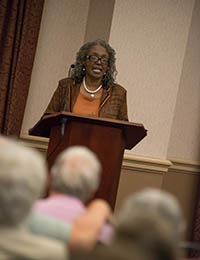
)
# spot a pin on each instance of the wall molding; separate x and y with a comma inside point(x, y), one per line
point(145, 164)
point(131, 162)
point(40, 143)
point(184, 166)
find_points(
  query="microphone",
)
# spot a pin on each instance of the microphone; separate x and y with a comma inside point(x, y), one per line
point(70, 70)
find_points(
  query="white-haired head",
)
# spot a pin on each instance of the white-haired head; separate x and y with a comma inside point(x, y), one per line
point(23, 176)
point(76, 172)
point(152, 200)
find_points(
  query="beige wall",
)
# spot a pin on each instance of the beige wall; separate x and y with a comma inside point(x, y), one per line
point(185, 132)
point(150, 38)
point(99, 20)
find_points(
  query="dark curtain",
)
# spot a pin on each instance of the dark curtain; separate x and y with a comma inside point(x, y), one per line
point(19, 30)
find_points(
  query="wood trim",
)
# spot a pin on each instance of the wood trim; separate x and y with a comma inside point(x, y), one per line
point(130, 161)
point(39, 143)
point(145, 164)
point(184, 166)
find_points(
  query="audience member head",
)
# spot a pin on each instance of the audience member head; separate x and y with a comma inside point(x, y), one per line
point(22, 180)
point(156, 201)
point(76, 172)
point(142, 238)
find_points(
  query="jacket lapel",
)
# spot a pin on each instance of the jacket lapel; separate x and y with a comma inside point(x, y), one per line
point(74, 91)
point(105, 96)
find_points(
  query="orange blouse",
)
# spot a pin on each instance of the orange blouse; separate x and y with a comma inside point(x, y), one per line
point(86, 106)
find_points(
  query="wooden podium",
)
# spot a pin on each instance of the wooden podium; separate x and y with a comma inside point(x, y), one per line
point(106, 137)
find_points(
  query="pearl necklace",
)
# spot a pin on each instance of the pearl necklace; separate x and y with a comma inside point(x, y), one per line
point(92, 92)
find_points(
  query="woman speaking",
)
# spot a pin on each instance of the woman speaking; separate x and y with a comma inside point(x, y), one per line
point(91, 88)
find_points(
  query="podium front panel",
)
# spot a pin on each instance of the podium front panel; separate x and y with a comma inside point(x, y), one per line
point(107, 142)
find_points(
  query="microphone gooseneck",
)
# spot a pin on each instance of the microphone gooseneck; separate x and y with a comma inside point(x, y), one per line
point(64, 120)
point(72, 66)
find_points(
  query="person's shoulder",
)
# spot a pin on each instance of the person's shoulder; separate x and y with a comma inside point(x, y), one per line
point(47, 247)
point(118, 88)
point(39, 218)
point(65, 82)
point(49, 226)
point(22, 241)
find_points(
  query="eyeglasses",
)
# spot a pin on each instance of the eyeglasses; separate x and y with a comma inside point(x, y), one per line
point(94, 58)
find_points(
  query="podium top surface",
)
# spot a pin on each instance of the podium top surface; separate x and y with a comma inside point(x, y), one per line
point(133, 132)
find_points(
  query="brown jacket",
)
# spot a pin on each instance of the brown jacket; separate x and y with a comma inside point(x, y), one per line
point(113, 103)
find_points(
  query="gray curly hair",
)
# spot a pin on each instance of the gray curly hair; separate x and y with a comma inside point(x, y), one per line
point(78, 73)
point(76, 172)
point(23, 177)
point(156, 201)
